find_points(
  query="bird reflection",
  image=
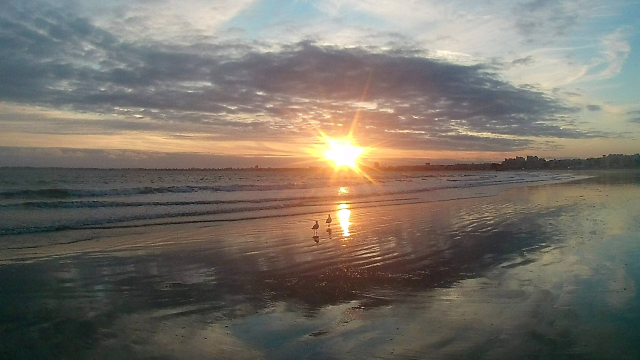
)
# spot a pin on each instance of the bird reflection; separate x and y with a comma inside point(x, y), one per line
point(329, 231)
point(343, 217)
point(316, 238)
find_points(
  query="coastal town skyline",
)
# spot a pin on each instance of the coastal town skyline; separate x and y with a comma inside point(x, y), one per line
point(221, 83)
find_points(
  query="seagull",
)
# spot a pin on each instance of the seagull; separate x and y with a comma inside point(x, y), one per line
point(328, 221)
point(315, 228)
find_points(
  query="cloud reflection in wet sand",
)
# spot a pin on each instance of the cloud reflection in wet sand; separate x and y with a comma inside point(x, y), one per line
point(536, 271)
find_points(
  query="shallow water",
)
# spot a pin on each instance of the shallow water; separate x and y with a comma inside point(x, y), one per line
point(538, 272)
point(34, 200)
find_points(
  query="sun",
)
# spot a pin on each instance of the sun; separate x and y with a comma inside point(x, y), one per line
point(342, 153)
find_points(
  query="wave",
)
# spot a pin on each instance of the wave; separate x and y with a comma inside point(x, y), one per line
point(75, 204)
point(121, 222)
point(190, 210)
point(63, 193)
point(77, 193)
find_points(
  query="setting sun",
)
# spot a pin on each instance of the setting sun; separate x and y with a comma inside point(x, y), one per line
point(342, 153)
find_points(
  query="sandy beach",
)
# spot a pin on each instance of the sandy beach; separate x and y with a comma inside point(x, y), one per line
point(544, 271)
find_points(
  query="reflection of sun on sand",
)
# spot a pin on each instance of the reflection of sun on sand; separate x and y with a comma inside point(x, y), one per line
point(343, 217)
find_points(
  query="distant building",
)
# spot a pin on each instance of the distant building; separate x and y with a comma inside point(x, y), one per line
point(512, 164)
point(611, 161)
point(533, 162)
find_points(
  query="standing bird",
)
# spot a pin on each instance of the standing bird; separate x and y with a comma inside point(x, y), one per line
point(328, 221)
point(315, 228)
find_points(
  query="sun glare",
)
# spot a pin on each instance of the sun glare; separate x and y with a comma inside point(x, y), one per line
point(342, 153)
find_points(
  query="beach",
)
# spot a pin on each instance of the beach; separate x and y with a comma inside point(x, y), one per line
point(542, 267)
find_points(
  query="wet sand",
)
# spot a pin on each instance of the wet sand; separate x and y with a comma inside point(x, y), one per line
point(535, 272)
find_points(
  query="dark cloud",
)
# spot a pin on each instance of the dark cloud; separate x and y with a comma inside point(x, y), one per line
point(572, 94)
point(536, 5)
point(523, 61)
point(543, 19)
point(241, 91)
point(634, 116)
point(594, 107)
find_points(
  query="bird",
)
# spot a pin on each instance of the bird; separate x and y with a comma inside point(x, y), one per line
point(315, 228)
point(328, 220)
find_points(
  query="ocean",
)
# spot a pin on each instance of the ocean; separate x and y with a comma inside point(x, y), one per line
point(43, 200)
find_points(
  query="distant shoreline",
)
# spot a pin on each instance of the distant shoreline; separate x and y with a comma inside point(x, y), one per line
point(606, 162)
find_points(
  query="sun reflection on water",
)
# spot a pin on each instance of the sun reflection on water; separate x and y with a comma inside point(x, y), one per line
point(343, 216)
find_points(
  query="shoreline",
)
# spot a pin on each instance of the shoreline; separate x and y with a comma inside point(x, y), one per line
point(97, 238)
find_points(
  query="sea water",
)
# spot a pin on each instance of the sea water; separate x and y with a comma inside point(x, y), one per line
point(42, 200)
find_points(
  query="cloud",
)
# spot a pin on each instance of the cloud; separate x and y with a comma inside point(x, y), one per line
point(144, 20)
point(616, 50)
point(542, 18)
point(594, 107)
point(523, 61)
point(634, 116)
point(97, 158)
point(240, 90)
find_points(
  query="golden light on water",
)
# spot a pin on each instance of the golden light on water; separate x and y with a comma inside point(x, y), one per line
point(343, 190)
point(343, 217)
point(343, 153)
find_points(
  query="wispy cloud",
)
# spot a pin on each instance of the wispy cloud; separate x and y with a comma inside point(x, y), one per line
point(615, 51)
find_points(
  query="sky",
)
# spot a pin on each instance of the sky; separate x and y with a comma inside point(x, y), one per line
point(196, 83)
